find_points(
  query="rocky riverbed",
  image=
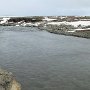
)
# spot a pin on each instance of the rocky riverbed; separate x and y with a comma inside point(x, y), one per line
point(7, 81)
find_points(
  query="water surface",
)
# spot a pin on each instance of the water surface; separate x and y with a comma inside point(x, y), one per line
point(43, 61)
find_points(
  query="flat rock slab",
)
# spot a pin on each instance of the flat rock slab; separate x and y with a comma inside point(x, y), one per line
point(7, 81)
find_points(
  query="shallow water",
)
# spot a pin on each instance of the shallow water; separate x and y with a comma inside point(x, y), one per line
point(43, 61)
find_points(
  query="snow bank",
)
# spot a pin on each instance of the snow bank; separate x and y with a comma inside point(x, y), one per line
point(82, 29)
point(48, 19)
point(71, 31)
point(4, 20)
point(82, 23)
point(57, 23)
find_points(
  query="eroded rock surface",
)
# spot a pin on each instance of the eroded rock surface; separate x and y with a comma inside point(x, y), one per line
point(7, 81)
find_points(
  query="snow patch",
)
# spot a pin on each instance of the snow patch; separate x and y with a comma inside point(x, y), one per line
point(82, 23)
point(71, 31)
point(48, 19)
point(4, 20)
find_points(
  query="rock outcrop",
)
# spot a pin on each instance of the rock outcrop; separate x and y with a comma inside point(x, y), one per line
point(7, 81)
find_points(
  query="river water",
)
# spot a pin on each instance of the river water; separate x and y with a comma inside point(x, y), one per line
point(44, 61)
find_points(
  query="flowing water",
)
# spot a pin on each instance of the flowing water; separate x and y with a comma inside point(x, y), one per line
point(43, 61)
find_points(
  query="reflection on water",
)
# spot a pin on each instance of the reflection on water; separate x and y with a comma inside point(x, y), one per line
point(45, 61)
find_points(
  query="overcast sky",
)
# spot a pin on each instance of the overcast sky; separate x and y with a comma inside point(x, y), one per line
point(44, 7)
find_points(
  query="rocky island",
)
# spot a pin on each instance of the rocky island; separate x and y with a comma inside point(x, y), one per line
point(7, 81)
point(67, 25)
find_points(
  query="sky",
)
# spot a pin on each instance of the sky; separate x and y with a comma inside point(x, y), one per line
point(44, 7)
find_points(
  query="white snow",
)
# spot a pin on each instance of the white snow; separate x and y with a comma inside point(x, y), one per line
point(48, 19)
point(17, 25)
point(76, 23)
point(62, 17)
point(74, 30)
point(81, 29)
point(4, 20)
point(82, 23)
point(57, 23)
point(26, 24)
point(38, 23)
point(85, 19)
point(71, 31)
point(30, 24)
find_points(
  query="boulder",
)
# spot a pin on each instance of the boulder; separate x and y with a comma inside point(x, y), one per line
point(7, 81)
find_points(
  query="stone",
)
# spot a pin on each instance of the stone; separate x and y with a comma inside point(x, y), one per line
point(7, 81)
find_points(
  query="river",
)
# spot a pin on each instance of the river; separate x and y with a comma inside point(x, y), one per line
point(44, 61)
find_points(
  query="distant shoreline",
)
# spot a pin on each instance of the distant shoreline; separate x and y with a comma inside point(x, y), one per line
point(67, 25)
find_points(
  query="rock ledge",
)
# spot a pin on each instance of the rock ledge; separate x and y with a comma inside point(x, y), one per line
point(7, 81)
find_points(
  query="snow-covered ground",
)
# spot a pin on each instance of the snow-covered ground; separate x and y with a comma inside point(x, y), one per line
point(48, 19)
point(82, 23)
point(4, 20)
point(76, 23)
point(74, 30)
point(30, 24)
point(71, 31)
point(57, 23)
